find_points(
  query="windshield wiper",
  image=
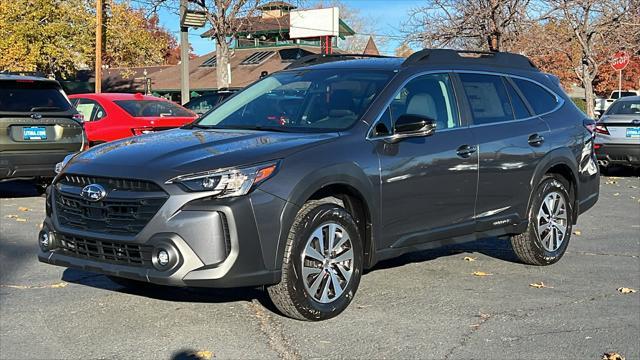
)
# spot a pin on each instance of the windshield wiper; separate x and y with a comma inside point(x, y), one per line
point(45, 108)
point(257, 127)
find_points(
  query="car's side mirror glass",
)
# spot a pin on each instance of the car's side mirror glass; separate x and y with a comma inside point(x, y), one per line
point(410, 125)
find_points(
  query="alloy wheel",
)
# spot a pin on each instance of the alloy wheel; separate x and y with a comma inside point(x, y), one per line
point(327, 262)
point(552, 221)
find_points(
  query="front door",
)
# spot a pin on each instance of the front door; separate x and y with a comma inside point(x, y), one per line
point(428, 187)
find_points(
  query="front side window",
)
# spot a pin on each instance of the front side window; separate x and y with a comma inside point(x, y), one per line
point(488, 98)
point(301, 101)
point(541, 100)
point(152, 108)
point(90, 109)
point(430, 96)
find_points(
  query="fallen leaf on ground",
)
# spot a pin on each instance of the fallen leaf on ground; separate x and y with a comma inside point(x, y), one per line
point(24, 209)
point(481, 273)
point(577, 232)
point(540, 285)
point(52, 286)
point(610, 182)
point(202, 355)
point(616, 194)
point(626, 290)
point(469, 258)
point(612, 356)
point(11, 216)
point(21, 220)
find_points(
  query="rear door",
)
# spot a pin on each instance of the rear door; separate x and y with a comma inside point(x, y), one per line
point(428, 184)
point(36, 115)
point(511, 144)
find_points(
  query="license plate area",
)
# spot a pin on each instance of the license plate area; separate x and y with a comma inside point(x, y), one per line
point(633, 132)
point(34, 133)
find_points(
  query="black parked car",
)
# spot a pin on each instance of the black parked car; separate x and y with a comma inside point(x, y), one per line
point(313, 174)
point(203, 103)
point(38, 128)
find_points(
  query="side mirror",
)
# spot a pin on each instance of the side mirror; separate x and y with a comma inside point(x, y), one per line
point(409, 125)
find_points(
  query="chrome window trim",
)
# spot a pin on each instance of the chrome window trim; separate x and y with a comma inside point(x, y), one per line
point(388, 102)
point(559, 101)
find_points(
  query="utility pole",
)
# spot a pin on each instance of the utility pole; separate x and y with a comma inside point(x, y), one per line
point(184, 55)
point(99, 18)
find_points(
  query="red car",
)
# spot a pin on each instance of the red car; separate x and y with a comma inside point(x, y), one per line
point(112, 116)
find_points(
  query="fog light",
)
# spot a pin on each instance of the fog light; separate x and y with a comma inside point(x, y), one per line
point(163, 257)
point(46, 240)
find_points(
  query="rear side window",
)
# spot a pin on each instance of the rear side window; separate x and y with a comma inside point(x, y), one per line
point(152, 108)
point(541, 100)
point(91, 110)
point(519, 108)
point(28, 95)
point(488, 98)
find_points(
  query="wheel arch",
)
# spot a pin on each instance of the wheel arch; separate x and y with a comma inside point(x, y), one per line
point(347, 185)
point(560, 162)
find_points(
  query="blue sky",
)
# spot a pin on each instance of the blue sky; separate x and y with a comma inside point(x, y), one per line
point(388, 14)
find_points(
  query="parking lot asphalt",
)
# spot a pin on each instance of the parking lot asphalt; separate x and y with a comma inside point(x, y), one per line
point(423, 305)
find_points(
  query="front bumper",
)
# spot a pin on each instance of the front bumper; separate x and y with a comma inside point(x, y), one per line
point(624, 154)
point(214, 243)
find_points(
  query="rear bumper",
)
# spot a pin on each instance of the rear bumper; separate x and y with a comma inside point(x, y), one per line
point(628, 154)
point(30, 163)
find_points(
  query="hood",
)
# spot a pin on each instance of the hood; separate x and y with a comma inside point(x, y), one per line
point(169, 153)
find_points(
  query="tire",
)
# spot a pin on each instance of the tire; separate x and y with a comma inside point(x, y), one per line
point(538, 245)
point(294, 296)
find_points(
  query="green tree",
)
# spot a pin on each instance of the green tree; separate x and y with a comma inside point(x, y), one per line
point(58, 36)
point(52, 36)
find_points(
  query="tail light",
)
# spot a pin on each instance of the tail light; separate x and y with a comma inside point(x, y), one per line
point(597, 146)
point(602, 129)
point(141, 131)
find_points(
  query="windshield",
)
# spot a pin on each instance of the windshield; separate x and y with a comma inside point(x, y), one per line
point(301, 101)
point(27, 95)
point(152, 108)
point(624, 108)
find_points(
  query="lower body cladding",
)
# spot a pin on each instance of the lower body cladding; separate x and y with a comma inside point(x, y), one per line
point(618, 154)
point(191, 241)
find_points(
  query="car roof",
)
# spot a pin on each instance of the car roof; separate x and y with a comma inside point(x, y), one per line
point(12, 77)
point(117, 96)
point(628, 98)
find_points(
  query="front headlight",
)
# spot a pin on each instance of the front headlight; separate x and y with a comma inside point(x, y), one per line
point(60, 166)
point(227, 182)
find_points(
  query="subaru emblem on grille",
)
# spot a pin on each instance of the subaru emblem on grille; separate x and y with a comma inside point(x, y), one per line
point(93, 192)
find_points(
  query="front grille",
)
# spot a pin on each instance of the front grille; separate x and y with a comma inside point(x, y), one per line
point(117, 253)
point(126, 210)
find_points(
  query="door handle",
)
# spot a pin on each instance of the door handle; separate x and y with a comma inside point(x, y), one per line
point(536, 140)
point(464, 151)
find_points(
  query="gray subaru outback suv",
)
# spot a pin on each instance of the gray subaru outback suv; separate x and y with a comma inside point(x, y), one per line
point(313, 174)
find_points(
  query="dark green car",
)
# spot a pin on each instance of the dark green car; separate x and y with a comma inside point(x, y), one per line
point(38, 127)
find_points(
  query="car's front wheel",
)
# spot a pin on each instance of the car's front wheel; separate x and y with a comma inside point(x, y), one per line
point(550, 221)
point(322, 263)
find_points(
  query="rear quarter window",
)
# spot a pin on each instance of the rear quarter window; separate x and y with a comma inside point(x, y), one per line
point(152, 108)
point(32, 96)
point(541, 100)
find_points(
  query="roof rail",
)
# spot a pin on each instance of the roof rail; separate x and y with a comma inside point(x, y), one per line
point(450, 56)
point(315, 59)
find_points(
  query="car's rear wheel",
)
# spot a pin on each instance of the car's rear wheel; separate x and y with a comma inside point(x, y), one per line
point(550, 221)
point(322, 263)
